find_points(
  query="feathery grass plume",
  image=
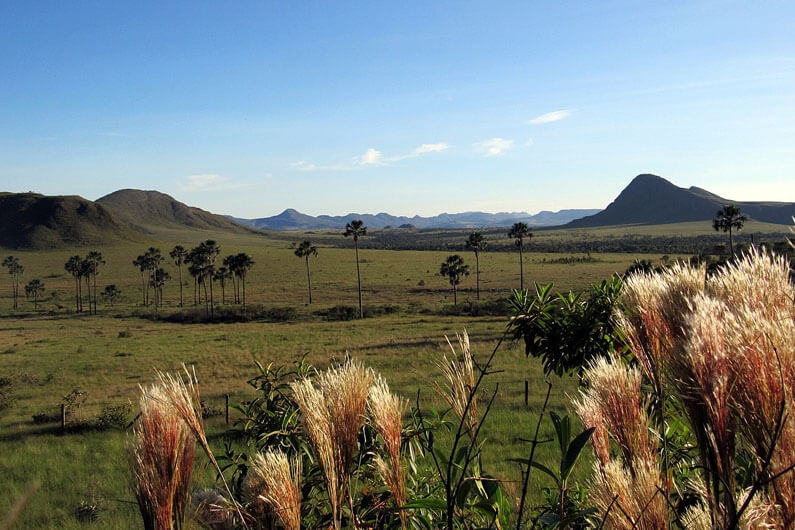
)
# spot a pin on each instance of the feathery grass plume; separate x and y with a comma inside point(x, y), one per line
point(614, 394)
point(460, 376)
point(332, 414)
point(761, 334)
point(212, 510)
point(162, 454)
point(630, 499)
point(184, 397)
point(758, 282)
point(591, 415)
point(655, 310)
point(276, 480)
point(387, 411)
point(707, 393)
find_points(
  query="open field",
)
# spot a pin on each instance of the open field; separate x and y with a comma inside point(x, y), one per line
point(50, 352)
point(279, 277)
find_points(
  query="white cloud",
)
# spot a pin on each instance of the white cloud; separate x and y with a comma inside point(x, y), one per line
point(371, 158)
point(493, 147)
point(549, 117)
point(429, 148)
point(204, 182)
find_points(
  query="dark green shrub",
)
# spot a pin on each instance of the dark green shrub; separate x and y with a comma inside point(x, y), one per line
point(6, 394)
point(114, 416)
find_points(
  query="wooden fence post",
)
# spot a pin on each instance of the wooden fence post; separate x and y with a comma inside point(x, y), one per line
point(227, 408)
point(63, 416)
point(526, 392)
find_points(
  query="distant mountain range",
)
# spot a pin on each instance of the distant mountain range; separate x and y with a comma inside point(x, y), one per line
point(31, 220)
point(294, 220)
point(652, 200)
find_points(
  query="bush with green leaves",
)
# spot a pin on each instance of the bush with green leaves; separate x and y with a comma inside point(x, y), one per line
point(566, 331)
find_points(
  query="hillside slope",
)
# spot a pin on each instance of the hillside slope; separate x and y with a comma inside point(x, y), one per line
point(31, 220)
point(651, 200)
point(148, 211)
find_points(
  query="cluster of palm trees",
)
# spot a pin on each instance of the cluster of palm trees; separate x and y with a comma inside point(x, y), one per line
point(34, 289)
point(15, 269)
point(85, 270)
point(202, 264)
point(152, 275)
point(454, 268)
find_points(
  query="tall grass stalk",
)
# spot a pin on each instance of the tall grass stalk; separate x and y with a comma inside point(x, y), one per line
point(162, 454)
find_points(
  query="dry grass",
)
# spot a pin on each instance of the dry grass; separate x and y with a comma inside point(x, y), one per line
point(725, 345)
point(459, 373)
point(387, 410)
point(275, 480)
point(162, 454)
point(332, 410)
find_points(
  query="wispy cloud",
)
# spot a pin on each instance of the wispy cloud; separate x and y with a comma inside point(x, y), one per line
point(493, 147)
point(429, 148)
point(549, 117)
point(205, 182)
point(371, 158)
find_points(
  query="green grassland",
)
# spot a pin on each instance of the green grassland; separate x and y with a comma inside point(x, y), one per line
point(52, 351)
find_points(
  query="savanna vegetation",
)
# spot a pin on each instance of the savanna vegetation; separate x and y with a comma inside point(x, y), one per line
point(511, 450)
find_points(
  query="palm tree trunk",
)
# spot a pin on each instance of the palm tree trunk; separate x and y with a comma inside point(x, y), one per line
point(143, 288)
point(95, 293)
point(77, 294)
point(358, 279)
point(223, 292)
point(731, 241)
point(309, 280)
point(521, 268)
point(477, 273)
point(243, 280)
point(212, 302)
point(206, 299)
point(180, 285)
point(455, 295)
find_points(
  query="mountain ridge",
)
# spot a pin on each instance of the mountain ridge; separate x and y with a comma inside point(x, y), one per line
point(143, 209)
point(650, 199)
point(36, 221)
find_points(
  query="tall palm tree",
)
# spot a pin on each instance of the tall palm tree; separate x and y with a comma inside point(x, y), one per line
point(229, 263)
point(454, 269)
point(243, 263)
point(86, 268)
point(152, 261)
point(74, 267)
point(476, 242)
point(305, 250)
point(140, 262)
point(34, 288)
point(95, 259)
point(519, 232)
point(727, 219)
point(222, 274)
point(15, 269)
point(158, 281)
point(178, 254)
point(356, 229)
point(209, 250)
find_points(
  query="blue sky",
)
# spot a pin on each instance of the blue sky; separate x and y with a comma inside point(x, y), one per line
point(248, 108)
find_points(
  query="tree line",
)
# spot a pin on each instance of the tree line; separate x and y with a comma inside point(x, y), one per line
point(203, 265)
